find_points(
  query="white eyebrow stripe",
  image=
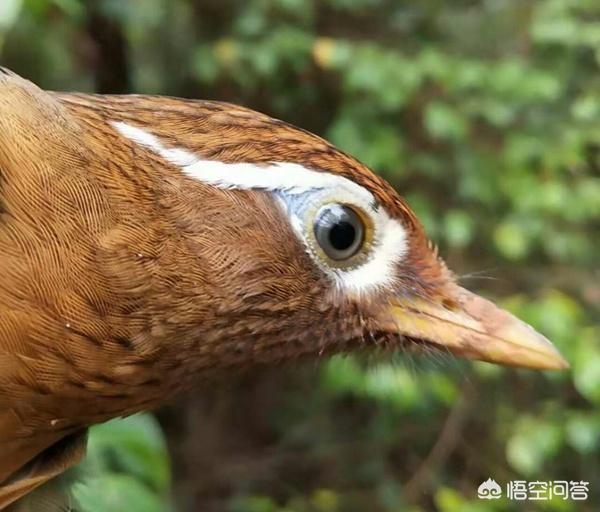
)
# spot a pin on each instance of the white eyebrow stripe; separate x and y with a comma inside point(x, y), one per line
point(289, 177)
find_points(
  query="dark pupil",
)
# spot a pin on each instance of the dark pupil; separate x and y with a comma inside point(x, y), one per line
point(342, 235)
point(339, 231)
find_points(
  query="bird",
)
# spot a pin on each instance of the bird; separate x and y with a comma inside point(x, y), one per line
point(147, 242)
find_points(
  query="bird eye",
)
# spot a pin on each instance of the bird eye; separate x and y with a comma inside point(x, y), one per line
point(339, 231)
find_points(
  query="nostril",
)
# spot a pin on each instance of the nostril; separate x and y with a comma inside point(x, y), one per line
point(449, 304)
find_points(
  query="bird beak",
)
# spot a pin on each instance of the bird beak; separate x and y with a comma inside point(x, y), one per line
point(472, 327)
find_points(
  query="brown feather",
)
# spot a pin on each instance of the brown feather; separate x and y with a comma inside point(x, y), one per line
point(48, 464)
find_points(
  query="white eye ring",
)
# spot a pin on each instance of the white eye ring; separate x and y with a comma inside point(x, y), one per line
point(337, 227)
point(373, 267)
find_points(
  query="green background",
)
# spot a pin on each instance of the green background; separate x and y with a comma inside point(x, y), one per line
point(485, 115)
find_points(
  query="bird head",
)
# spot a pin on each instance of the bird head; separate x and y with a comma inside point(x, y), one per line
point(311, 252)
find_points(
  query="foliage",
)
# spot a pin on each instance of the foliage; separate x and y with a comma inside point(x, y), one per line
point(127, 467)
point(485, 115)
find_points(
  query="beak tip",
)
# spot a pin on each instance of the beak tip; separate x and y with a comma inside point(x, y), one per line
point(519, 344)
point(557, 363)
point(549, 360)
point(561, 363)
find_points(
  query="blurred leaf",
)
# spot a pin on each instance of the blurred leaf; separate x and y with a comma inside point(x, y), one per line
point(134, 445)
point(511, 240)
point(325, 500)
point(444, 122)
point(459, 227)
point(532, 443)
point(254, 504)
point(583, 432)
point(116, 492)
point(9, 12)
point(587, 366)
